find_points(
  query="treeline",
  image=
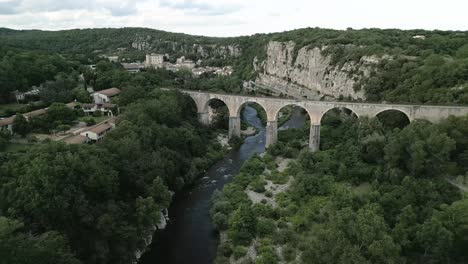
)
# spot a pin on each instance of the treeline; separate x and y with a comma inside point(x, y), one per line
point(416, 66)
point(98, 203)
point(371, 195)
point(20, 70)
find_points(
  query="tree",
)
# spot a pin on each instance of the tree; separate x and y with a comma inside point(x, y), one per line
point(242, 225)
point(20, 248)
point(21, 125)
point(60, 113)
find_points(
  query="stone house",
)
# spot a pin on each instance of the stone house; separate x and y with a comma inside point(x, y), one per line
point(105, 96)
point(6, 124)
point(97, 132)
point(106, 108)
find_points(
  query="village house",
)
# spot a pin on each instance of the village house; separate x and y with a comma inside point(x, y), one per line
point(6, 124)
point(106, 108)
point(183, 62)
point(155, 60)
point(105, 96)
point(21, 96)
point(133, 67)
point(97, 132)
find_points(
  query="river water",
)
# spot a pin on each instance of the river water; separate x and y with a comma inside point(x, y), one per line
point(190, 236)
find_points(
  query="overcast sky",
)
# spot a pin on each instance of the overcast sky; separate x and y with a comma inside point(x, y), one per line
point(234, 17)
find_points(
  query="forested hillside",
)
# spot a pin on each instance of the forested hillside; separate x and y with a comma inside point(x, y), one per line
point(99, 203)
point(413, 66)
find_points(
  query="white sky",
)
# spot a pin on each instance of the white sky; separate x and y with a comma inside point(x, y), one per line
point(234, 17)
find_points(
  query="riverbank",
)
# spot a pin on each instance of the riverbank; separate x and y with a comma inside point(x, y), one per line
point(190, 236)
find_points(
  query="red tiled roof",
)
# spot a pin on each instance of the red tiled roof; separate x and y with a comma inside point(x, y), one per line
point(110, 92)
point(7, 121)
point(78, 139)
point(98, 129)
point(35, 113)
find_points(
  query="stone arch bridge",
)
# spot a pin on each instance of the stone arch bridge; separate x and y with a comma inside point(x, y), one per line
point(315, 110)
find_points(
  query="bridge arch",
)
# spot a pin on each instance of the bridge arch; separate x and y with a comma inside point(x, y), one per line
point(348, 110)
point(389, 109)
point(241, 105)
point(393, 118)
point(213, 99)
point(309, 115)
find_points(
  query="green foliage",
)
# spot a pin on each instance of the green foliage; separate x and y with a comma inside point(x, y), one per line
point(242, 225)
point(21, 125)
point(21, 248)
point(105, 198)
point(373, 194)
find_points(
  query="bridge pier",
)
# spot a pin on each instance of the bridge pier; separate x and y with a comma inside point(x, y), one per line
point(204, 118)
point(271, 133)
point(314, 138)
point(234, 126)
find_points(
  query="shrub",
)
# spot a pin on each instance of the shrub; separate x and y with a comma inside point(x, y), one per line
point(239, 252)
point(258, 185)
point(266, 227)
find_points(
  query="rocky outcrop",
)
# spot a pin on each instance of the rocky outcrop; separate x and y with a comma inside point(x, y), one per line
point(154, 44)
point(162, 223)
point(308, 73)
point(217, 50)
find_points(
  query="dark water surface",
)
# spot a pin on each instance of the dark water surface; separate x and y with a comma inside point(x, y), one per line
point(190, 236)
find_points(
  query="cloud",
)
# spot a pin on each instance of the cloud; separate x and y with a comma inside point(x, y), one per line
point(192, 7)
point(233, 17)
point(114, 7)
point(9, 7)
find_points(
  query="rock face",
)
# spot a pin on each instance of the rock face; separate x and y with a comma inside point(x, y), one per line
point(308, 74)
point(154, 44)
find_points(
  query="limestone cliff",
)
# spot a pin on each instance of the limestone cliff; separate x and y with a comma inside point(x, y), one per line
point(309, 74)
point(154, 44)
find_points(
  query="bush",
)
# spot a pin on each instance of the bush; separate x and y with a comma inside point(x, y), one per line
point(258, 185)
point(225, 250)
point(266, 227)
point(220, 221)
point(239, 252)
point(97, 114)
point(89, 121)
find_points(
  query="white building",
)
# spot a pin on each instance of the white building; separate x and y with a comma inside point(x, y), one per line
point(154, 59)
point(105, 108)
point(20, 96)
point(6, 124)
point(97, 132)
point(182, 62)
point(105, 96)
point(133, 67)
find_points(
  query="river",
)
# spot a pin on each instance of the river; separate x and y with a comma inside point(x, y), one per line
point(190, 236)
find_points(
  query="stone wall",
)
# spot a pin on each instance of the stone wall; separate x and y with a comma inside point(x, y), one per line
point(309, 74)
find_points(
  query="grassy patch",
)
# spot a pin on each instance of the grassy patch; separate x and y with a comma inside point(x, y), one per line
point(13, 108)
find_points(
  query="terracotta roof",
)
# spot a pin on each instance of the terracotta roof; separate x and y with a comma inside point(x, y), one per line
point(98, 129)
point(107, 105)
point(110, 92)
point(7, 121)
point(88, 105)
point(78, 139)
point(35, 113)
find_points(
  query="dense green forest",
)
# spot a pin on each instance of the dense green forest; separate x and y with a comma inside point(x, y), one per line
point(371, 195)
point(97, 203)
